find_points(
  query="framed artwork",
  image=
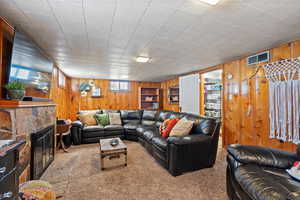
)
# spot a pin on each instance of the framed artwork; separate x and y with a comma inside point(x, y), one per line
point(96, 92)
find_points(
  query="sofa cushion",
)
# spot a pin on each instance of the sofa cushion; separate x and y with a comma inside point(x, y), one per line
point(182, 127)
point(93, 131)
point(177, 115)
point(131, 126)
point(87, 118)
point(162, 116)
point(131, 116)
point(206, 126)
point(102, 119)
point(142, 128)
point(149, 117)
point(160, 142)
point(114, 118)
point(265, 183)
point(150, 133)
point(93, 128)
point(113, 127)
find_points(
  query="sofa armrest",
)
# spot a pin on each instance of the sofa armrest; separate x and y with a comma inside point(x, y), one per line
point(76, 130)
point(262, 156)
point(188, 153)
point(77, 123)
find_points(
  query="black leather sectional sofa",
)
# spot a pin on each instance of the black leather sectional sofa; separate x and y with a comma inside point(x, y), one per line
point(258, 173)
point(176, 154)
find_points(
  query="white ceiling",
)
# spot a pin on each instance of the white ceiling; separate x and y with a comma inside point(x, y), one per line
point(102, 38)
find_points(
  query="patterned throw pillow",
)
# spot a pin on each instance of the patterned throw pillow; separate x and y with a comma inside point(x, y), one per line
point(36, 190)
point(167, 126)
point(115, 119)
point(88, 118)
point(182, 127)
point(102, 119)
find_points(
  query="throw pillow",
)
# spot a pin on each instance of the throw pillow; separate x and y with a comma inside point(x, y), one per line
point(167, 126)
point(294, 172)
point(115, 119)
point(88, 118)
point(182, 127)
point(102, 119)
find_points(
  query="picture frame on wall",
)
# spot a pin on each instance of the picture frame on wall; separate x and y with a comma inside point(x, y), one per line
point(96, 92)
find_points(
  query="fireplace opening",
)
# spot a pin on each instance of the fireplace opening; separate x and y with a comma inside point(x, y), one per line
point(42, 151)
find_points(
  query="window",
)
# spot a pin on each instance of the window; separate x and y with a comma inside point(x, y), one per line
point(61, 79)
point(119, 86)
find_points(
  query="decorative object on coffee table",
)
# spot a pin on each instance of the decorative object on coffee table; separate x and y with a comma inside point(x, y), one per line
point(15, 90)
point(109, 153)
point(114, 142)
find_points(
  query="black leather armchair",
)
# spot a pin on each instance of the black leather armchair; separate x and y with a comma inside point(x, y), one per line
point(255, 172)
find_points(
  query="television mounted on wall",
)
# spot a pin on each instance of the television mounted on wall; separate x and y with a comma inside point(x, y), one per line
point(30, 66)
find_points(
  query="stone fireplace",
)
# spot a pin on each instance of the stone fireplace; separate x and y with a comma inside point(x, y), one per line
point(29, 121)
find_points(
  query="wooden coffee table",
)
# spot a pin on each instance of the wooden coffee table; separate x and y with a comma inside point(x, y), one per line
point(108, 152)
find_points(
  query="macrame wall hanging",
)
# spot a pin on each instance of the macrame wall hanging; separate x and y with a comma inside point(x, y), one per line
point(284, 99)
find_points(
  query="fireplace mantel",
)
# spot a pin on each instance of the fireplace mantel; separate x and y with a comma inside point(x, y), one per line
point(22, 104)
point(20, 119)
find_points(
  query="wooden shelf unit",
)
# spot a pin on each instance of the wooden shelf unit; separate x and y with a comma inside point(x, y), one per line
point(149, 98)
point(173, 95)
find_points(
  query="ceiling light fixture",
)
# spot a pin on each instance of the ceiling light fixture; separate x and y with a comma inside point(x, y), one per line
point(211, 2)
point(141, 59)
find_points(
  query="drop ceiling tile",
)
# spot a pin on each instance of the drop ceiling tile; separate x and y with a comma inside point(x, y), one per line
point(101, 39)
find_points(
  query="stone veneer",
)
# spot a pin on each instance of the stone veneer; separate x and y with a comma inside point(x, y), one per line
point(18, 123)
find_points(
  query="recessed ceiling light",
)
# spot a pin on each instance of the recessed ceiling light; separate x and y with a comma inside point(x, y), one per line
point(142, 59)
point(211, 2)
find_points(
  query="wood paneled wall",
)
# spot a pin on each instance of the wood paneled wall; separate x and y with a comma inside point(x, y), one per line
point(246, 119)
point(61, 95)
point(165, 86)
point(6, 37)
point(245, 108)
point(109, 99)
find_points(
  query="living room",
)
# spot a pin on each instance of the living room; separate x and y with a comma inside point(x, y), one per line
point(149, 99)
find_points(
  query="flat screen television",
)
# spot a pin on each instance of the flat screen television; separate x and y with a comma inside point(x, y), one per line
point(30, 66)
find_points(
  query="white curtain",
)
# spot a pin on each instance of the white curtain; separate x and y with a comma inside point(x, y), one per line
point(284, 107)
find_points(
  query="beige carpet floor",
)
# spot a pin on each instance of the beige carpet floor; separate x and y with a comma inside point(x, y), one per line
point(77, 176)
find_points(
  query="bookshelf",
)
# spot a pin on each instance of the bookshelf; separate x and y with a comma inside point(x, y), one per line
point(213, 97)
point(173, 95)
point(149, 98)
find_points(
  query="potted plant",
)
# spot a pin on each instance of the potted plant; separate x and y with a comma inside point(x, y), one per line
point(15, 90)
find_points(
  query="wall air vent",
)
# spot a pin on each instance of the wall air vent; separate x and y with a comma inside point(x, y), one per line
point(259, 58)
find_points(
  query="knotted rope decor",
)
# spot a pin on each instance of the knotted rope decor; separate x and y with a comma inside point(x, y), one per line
point(284, 99)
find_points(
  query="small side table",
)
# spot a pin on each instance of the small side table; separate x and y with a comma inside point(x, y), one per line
point(62, 130)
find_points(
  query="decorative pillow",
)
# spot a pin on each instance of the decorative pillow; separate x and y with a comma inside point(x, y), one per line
point(294, 172)
point(115, 118)
point(102, 119)
point(88, 118)
point(182, 127)
point(166, 127)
